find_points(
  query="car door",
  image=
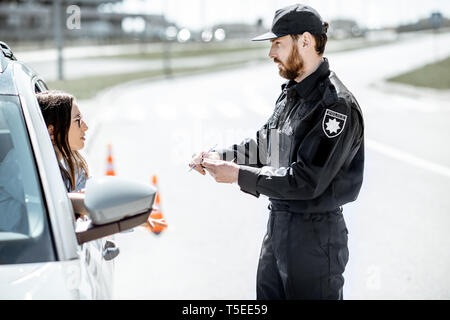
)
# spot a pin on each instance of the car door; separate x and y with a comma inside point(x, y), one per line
point(39, 254)
point(96, 274)
point(95, 268)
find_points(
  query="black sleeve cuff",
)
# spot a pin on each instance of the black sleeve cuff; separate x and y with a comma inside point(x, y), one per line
point(247, 179)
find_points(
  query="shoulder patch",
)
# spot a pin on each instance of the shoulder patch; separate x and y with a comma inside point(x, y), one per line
point(333, 123)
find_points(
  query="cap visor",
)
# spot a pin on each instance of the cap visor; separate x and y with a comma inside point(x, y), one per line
point(265, 36)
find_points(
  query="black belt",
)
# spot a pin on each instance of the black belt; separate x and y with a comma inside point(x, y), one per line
point(287, 208)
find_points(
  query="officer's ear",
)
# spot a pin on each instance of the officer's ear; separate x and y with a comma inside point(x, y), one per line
point(305, 40)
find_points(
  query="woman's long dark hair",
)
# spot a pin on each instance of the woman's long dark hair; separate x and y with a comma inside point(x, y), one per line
point(56, 107)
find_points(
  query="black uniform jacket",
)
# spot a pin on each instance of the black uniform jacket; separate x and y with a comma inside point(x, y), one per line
point(309, 156)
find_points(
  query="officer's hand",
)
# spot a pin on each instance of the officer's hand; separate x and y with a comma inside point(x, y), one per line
point(222, 171)
point(197, 159)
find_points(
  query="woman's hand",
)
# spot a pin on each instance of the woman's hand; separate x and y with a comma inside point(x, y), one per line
point(77, 199)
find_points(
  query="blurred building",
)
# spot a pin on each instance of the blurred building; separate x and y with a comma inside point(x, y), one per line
point(32, 20)
point(435, 21)
point(344, 29)
point(228, 31)
point(240, 30)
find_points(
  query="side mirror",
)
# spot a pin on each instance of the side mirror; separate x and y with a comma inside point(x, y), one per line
point(114, 205)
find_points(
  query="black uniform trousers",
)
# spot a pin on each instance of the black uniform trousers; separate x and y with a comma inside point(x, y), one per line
point(303, 256)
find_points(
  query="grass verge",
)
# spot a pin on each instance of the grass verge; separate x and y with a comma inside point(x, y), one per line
point(88, 87)
point(434, 75)
point(200, 51)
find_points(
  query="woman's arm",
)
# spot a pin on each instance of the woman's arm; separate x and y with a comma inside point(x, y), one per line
point(77, 199)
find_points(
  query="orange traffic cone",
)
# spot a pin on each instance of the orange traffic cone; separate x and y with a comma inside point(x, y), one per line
point(109, 163)
point(156, 212)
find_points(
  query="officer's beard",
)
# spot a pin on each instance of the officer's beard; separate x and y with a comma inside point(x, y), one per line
point(293, 67)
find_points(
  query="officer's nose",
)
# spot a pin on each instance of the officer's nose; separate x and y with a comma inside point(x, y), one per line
point(272, 53)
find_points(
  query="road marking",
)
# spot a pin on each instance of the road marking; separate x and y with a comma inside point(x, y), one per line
point(408, 158)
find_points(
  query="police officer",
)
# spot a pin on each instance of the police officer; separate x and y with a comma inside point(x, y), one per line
point(308, 159)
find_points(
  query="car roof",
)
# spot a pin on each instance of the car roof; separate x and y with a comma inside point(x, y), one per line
point(9, 65)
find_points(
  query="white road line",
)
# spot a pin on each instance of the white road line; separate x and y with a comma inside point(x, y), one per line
point(408, 158)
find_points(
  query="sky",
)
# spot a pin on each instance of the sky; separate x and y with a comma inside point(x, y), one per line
point(369, 13)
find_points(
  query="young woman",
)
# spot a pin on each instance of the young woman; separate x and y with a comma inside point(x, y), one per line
point(67, 131)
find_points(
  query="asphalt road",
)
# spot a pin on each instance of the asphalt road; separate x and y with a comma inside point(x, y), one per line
point(398, 226)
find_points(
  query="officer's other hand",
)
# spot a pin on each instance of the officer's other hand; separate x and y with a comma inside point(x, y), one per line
point(222, 171)
point(197, 159)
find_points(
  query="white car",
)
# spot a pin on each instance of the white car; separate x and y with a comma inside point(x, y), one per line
point(44, 252)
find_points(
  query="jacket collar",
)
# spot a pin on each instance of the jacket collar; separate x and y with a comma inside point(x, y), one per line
point(307, 85)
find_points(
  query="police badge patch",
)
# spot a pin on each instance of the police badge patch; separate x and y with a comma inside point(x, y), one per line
point(333, 123)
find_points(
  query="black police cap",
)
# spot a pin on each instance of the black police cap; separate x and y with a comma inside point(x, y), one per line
point(295, 19)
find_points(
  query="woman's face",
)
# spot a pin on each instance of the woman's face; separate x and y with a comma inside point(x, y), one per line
point(77, 129)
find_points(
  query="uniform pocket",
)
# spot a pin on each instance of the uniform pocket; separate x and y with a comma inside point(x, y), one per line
point(339, 253)
point(285, 142)
point(321, 233)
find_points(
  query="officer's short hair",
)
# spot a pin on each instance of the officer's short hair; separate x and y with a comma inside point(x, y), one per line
point(320, 39)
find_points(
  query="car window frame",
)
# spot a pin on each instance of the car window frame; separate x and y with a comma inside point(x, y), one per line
point(54, 191)
point(46, 234)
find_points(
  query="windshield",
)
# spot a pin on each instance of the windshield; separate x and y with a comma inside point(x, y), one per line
point(24, 232)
